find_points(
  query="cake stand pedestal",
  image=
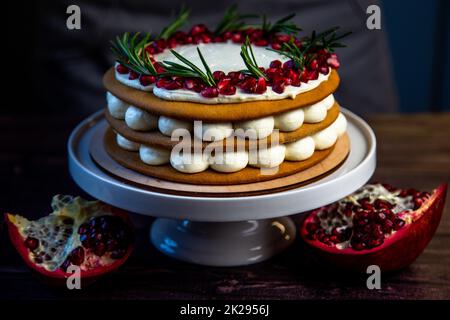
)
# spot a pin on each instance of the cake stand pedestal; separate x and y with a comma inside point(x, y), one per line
point(220, 230)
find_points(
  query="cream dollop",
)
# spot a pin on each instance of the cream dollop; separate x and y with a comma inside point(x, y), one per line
point(126, 144)
point(300, 150)
point(270, 157)
point(255, 129)
point(140, 120)
point(325, 138)
point(214, 131)
point(116, 107)
point(289, 121)
point(154, 156)
point(189, 163)
point(229, 161)
point(168, 125)
point(340, 124)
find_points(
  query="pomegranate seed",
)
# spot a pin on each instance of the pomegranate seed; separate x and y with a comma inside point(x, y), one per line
point(398, 224)
point(218, 75)
point(218, 39)
point(237, 38)
point(276, 46)
point(206, 38)
point(172, 43)
point(417, 203)
point(323, 70)
point(147, 80)
point(249, 85)
point(314, 64)
point(223, 83)
point(100, 249)
point(76, 257)
point(133, 75)
point(227, 35)
point(261, 86)
point(210, 92)
point(288, 65)
point(122, 69)
point(159, 68)
point(278, 86)
point(358, 246)
point(189, 40)
point(228, 91)
point(333, 61)
point(283, 38)
point(31, 243)
point(313, 75)
point(261, 43)
point(162, 82)
point(197, 29)
point(275, 64)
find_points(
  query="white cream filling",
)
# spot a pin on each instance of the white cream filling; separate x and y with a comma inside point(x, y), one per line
point(229, 161)
point(318, 111)
point(289, 121)
point(189, 163)
point(126, 144)
point(270, 157)
point(255, 129)
point(236, 161)
point(300, 150)
point(212, 131)
point(168, 125)
point(116, 107)
point(154, 156)
point(123, 78)
point(140, 120)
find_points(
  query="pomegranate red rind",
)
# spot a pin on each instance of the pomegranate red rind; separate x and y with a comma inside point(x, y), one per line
point(398, 251)
point(58, 275)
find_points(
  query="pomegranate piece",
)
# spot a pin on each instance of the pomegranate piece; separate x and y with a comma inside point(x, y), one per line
point(377, 225)
point(82, 233)
point(218, 75)
point(249, 85)
point(275, 64)
point(261, 86)
point(197, 30)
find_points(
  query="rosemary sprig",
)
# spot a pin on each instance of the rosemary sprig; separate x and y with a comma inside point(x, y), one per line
point(131, 53)
point(181, 19)
point(250, 61)
point(283, 25)
point(290, 50)
point(232, 20)
point(327, 39)
point(189, 70)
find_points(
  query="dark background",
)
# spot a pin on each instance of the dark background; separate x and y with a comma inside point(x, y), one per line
point(404, 67)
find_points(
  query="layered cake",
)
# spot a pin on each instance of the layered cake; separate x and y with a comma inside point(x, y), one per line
point(238, 104)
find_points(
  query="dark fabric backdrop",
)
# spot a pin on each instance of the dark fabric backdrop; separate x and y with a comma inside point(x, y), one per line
point(64, 67)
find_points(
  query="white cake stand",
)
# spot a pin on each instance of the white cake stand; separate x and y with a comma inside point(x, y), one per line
point(221, 231)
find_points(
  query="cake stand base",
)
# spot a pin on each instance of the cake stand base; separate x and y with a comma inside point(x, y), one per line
point(222, 244)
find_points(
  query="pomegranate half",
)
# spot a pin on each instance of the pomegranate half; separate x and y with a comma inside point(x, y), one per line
point(377, 225)
point(90, 234)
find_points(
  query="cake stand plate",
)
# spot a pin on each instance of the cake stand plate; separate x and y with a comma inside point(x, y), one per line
point(222, 231)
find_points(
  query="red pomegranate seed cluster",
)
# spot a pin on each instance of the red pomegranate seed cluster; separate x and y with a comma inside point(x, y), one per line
point(364, 224)
point(101, 235)
point(279, 75)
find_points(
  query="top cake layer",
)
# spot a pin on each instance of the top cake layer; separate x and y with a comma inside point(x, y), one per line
point(217, 112)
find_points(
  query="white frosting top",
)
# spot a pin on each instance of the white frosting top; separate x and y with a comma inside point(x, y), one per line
point(221, 57)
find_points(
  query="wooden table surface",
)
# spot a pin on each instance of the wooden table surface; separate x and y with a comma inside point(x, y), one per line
point(414, 151)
